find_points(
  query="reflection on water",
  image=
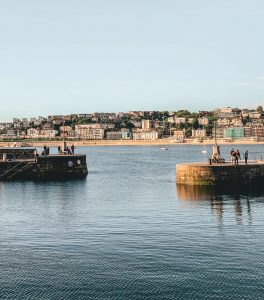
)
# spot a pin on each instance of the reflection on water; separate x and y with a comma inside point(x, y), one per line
point(220, 198)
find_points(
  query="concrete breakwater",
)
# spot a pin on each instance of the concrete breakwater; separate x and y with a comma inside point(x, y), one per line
point(21, 164)
point(220, 174)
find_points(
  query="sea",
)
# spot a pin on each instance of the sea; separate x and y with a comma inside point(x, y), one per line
point(128, 232)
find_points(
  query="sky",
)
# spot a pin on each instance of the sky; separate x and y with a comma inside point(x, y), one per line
point(81, 56)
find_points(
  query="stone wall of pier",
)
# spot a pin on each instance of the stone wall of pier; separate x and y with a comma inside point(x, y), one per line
point(44, 168)
point(194, 174)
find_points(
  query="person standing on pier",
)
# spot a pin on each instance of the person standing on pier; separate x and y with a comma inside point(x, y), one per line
point(232, 155)
point(45, 150)
point(246, 156)
point(236, 156)
point(72, 149)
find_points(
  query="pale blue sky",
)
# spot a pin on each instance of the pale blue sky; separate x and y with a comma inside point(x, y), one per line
point(73, 56)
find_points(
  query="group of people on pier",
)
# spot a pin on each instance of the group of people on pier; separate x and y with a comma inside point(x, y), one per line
point(235, 156)
point(46, 151)
point(67, 150)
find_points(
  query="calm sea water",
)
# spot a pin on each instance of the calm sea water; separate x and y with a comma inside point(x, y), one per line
point(127, 232)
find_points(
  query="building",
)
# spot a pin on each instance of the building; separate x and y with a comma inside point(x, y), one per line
point(237, 122)
point(137, 124)
point(178, 134)
point(126, 134)
point(84, 116)
point(147, 124)
point(218, 132)
point(60, 118)
point(190, 120)
point(223, 122)
point(234, 133)
point(145, 135)
point(251, 114)
point(171, 119)
point(179, 120)
point(258, 132)
point(248, 132)
point(11, 133)
point(114, 135)
point(97, 126)
point(33, 133)
point(203, 121)
point(21, 134)
point(4, 126)
point(67, 131)
point(226, 109)
point(84, 132)
point(198, 133)
point(48, 133)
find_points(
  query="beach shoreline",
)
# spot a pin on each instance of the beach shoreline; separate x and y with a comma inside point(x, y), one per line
point(88, 143)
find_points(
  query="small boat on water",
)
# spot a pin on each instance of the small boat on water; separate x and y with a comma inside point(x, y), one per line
point(163, 148)
point(204, 151)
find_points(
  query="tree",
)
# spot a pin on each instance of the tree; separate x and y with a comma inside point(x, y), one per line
point(195, 123)
point(260, 109)
point(183, 113)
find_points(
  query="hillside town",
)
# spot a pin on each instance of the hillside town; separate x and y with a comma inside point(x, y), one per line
point(226, 124)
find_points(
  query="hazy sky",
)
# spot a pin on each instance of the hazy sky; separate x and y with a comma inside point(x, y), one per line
point(73, 56)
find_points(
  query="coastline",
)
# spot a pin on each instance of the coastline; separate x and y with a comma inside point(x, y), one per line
point(160, 142)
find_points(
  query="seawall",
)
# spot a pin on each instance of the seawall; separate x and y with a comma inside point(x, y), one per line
point(51, 167)
point(220, 174)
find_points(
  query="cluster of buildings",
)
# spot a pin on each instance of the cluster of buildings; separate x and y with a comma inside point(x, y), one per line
point(224, 123)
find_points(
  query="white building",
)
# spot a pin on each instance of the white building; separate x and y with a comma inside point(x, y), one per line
point(89, 133)
point(226, 109)
point(179, 120)
point(11, 133)
point(33, 133)
point(237, 122)
point(48, 133)
point(198, 133)
point(251, 114)
point(97, 126)
point(223, 122)
point(171, 119)
point(145, 135)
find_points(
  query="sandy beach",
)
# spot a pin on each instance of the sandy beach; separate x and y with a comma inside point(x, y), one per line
point(160, 142)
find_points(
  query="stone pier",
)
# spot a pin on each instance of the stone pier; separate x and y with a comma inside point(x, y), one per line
point(220, 174)
point(22, 164)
